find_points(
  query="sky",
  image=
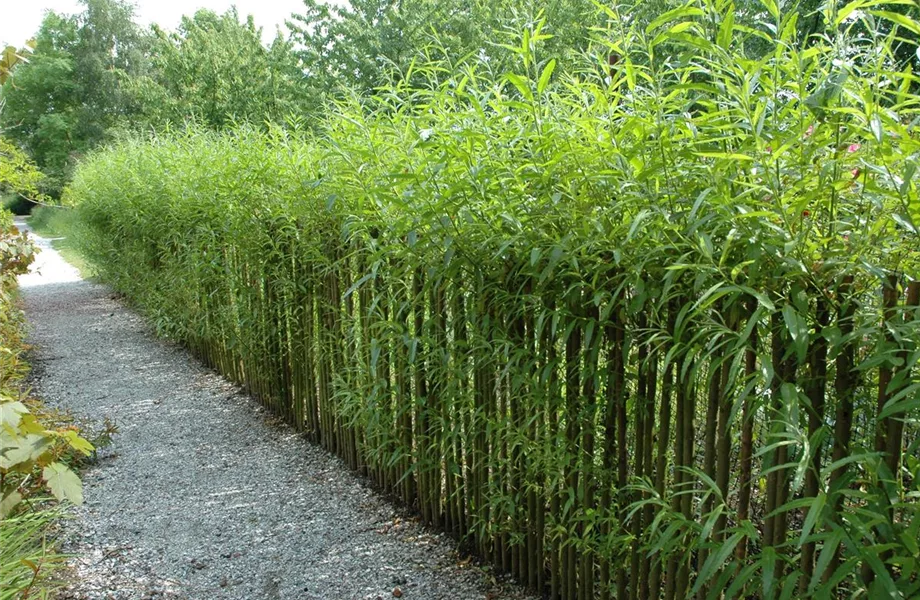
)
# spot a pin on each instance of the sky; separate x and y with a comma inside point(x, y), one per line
point(20, 19)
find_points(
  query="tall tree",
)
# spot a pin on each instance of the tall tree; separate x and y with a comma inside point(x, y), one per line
point(214, 69)
point(62, 101)
point(359, 45)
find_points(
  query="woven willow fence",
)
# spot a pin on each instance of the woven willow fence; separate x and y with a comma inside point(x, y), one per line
point(622, 343)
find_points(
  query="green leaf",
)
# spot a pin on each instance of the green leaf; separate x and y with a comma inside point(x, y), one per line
point(845, 12)
point(9, 502)
point(910, 169)
point(674, 32)
point(63, 482)
point(824, 559)
point(546, 75)
point(716, 561)
point(521, 84)
point(673, 15)
point(636, 222)
point(903, 402)
point(905, 221)
point(790, 585)
point(525, 47)
point(768, 558)
point(899, 19)
point(811, 518)
point(739, 582)
point(798, 330)
point(11, 413)
point(19, 449)
point(726, 29)
point(534, 256)
point(771, 7)
point(827, 92)
point(875, 124)
point(910, 542)
point(630, 69)
point(78, 443)
point(826, 471)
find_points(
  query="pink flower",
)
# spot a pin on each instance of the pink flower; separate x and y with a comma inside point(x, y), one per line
point(809, 131)
point(856, 172)
point(852, 147)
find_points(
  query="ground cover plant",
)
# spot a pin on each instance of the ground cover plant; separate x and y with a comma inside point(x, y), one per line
point(36, 452)
point(645, 330)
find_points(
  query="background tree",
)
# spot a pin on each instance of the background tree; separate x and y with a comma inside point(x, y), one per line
point(215, 70)
point(356, 45)
point(62, 102)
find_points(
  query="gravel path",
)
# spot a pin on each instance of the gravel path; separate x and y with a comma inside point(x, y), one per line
point(203, 495)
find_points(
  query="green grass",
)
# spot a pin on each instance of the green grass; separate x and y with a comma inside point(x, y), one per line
point(27, 556)
point(57, 224)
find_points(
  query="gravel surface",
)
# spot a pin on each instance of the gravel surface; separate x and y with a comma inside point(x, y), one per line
point(203, 494)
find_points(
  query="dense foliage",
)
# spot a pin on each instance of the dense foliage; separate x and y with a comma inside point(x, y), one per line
point(17, 173)
point(97, 73)
point(214, 70)
point(642, 331)
point(62, 102)
point(367, 43)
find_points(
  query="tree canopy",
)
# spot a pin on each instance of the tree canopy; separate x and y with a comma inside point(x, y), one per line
point(215, 70)
point(360, 45)
point(97, 73)
point(64, 100)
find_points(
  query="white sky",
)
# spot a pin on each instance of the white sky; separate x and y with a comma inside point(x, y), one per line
point(21, 18)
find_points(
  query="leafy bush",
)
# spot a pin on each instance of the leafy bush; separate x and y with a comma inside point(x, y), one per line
point(19, 177)
point(645, 331)
point(41, 219)
point(33, 453)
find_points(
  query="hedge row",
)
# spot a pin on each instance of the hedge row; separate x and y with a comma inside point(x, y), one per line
point(642, 333)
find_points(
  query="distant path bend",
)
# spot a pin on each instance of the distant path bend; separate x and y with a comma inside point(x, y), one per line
point(203, 495)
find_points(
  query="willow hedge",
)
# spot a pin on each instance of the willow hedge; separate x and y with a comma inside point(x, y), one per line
point(648, 330)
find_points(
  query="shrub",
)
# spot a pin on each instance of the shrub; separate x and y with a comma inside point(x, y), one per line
point(42, 218)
